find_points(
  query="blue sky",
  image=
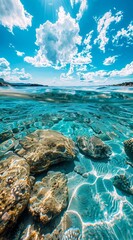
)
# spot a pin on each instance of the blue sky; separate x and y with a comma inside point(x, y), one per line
point(66, 42)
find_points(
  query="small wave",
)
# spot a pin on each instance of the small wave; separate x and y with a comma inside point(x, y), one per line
point(101, 95)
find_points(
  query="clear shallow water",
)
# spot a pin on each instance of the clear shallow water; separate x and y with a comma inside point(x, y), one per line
point(95, 206)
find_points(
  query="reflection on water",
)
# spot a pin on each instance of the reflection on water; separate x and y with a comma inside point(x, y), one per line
point(96, 207)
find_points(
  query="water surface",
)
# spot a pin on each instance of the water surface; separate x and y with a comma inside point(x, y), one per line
point(95, 206)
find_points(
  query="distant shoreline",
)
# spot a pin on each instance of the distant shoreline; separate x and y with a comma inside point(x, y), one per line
point(3, 83)
point(126, 84)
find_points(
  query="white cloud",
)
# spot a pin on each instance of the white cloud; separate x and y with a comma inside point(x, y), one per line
point(57, 42)
point(83, 7)
point(21, 74)
point(11, 46)
point(124, 34)
point(82, 59)
point(81, 68)
point(109, 60)
point(4, 65)
point(19, 54)
point(72, 3)
point(124, 72)
point(103, 27)
point(13, 14)
point(14, 75)
point(97, 76)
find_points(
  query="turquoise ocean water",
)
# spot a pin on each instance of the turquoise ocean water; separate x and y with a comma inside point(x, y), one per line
point(96, 207)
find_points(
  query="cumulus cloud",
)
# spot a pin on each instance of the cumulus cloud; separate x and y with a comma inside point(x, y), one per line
point(83, 58)
point(4, 65)
point(91, 76)
point(126, 34)
point(21, 74)
point(13, 14)
point(57, 42)
point(124, 72)
point(109, 60)
point(12, 74)
point(127, 71)
point(19, 54)
point(103, 25)
point(83, 7)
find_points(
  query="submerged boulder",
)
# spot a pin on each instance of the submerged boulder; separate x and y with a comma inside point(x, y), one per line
point(15, 188)
point(61, 230)
point(7, 145)
point(44, 148)
point(72, 234)
point(64, 230)
point(121, 182)
point(94, 147)
point(30, 233)
point(128, 147)
point(49, 196)
point(5, 135)
point(69, 234)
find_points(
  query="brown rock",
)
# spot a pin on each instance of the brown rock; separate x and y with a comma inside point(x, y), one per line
point(94, 147)
point(5, 136)
point(30, 233)
point(14, 190)
point(7, 145)
point(128, 147)
point(49, 197)
point(44, 148)
point(64, 231)
point(122, 182)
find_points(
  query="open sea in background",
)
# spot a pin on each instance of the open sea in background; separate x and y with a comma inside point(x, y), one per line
point(96, 207)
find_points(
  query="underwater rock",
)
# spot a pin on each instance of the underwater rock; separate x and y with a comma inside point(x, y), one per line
point(128, 147)
point(64, 230)
point(80, 170)
point(72, 234)
point(49, 196)
point(7, 145)
point(15, 188)
point(5, 136)
point(121, 182)
point(44, 148)
point(94, 147)
point(30, 233)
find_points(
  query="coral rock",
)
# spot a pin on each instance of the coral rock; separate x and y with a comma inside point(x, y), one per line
point(14, 190)
point(5, 136)
point(64, 231)
point(121, 182)
point(7, 145)
point(94, 147)
point(49, 197)
point(72, 234)
point(31, 234)
point(44, 148)
point(128, 147)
